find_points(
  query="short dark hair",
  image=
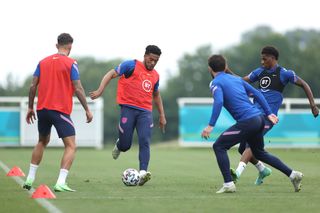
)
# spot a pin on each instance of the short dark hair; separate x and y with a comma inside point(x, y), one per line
point(217, 63)
point(65, 38)
point(270, 50)
point(153, 49)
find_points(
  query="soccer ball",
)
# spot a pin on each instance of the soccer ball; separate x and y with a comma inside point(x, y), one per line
point(130, 177)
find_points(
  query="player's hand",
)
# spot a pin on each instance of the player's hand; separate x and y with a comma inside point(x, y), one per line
point(206, 132)
point(89, 116)
point(162, 123)
point(273, 118)
point(31, 116)
point(315, 111)
point(95, 94)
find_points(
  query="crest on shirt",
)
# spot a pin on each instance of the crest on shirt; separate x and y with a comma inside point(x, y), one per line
point(147, 85)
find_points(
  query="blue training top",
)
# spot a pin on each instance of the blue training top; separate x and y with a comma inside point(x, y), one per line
point(232, 93)
point(273, 97)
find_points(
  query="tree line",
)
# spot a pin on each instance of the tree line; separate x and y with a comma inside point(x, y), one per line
point(299, 51)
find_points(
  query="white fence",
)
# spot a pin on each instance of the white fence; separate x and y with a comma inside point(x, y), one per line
point(297, 128)
point(87, 134)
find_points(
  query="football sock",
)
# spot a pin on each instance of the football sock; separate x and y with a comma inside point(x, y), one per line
point(32, 172)
point(241, 167)
point(228, 184)
point(260, 166)
point(142, 172)
point(292, 175)
point(62, 176)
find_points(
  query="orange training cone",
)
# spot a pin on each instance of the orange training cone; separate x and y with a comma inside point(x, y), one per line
point(43, 191)
point(15, 171)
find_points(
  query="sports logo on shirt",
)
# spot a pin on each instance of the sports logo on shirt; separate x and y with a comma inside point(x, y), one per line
point(265, 82)
point(147, 85)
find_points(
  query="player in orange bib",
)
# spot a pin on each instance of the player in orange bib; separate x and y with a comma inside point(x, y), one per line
point(57, 79)
point(138, 87)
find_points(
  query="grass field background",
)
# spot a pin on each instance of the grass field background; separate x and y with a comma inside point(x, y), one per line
point(183, 180)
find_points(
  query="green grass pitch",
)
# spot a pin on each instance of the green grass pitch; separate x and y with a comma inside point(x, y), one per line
point(183, 180)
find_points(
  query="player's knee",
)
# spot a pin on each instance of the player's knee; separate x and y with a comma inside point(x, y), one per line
point(69, 143)
point(241, 149)
point(43, 143)
point(216, 147)
point(44, 140)
point(123, 147)
point(144, 143)
point(71, 146)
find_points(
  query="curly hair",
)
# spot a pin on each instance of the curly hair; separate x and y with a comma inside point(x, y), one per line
point(153, 49)
point(270, 50)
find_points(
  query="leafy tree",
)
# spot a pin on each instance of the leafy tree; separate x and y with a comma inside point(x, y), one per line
point(305, 60)
point(192, 81)
point(91, 74)
point(299, 51)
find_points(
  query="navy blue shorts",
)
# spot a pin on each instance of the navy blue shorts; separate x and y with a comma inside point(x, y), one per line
point(61, 121)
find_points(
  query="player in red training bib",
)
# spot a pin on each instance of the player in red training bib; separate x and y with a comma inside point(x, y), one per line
point(57, 79)
point(138, 86)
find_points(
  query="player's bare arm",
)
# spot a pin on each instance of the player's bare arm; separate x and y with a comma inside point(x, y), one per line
point(162, 117)
point(79, 91)
point(32, 93)
point(246, 78)
point(104, 82)
point(301, 83)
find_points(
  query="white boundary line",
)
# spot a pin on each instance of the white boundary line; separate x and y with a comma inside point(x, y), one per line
point(42, 202)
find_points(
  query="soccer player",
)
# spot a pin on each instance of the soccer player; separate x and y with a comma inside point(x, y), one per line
point(272, 80)
point(232, 93)
point(57, 79)
point(138, 86)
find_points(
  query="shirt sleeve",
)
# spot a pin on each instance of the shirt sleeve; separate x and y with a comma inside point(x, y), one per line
point(217, 95)
point(37, 71)
point(156, 87)
point(125, 67)
point(75, 72)
point(258, 97)
point(254, 75)
point(287, 76)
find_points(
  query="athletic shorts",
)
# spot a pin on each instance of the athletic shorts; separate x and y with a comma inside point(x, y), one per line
point(61, 121)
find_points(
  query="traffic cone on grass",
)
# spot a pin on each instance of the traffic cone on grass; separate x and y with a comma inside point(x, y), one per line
point(43, 191)
point(15, 171)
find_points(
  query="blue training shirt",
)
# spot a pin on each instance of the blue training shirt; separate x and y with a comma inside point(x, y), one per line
point(232, 93)
point(127, 67)
point(274, 98)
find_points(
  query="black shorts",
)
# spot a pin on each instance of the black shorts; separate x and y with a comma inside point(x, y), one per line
point(61, 121)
